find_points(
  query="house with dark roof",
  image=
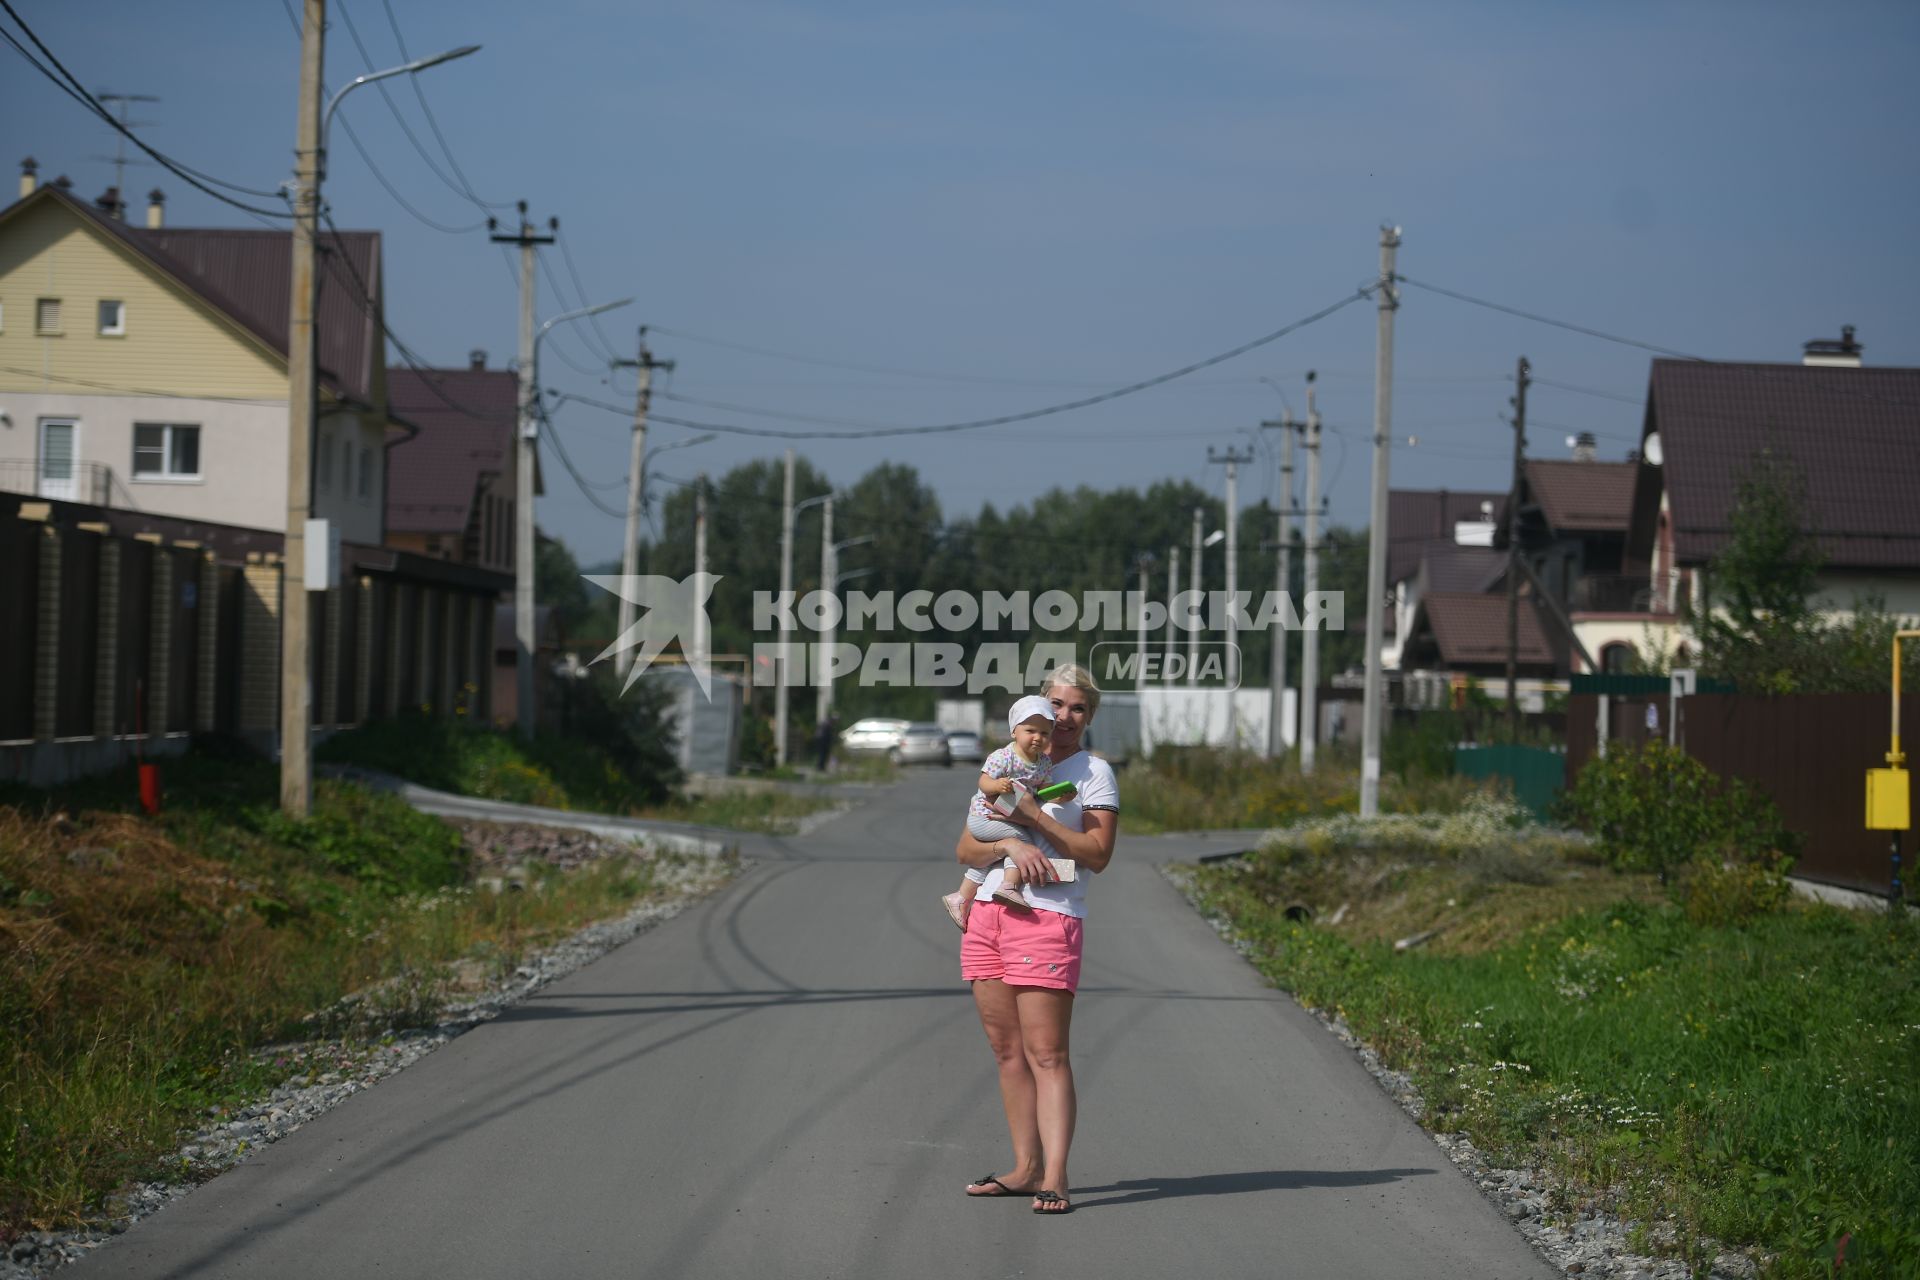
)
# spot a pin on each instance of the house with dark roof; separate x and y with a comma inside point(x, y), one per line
point(145, 366)
point(1438, 540)
point(451, 466)
point(1853, 434)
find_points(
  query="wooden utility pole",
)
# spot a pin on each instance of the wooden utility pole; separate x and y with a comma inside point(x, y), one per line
point(1513, 548)
point(296, 678)
point(1372, 710)
point(523, 634)
point(636, 488)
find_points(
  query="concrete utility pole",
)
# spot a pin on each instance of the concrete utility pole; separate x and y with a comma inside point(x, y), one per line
point(1193, 636)
point(523, 637)
point(1513, 548)
point(700, 641)
point(1282, 581)
point(823, 687)
point(296, 677)
point(1173, 589)
point(1377, 532)
point(781, 690)
point(1144, 563)
point(1309, 733)
point(1232, 459)
point(636, 485)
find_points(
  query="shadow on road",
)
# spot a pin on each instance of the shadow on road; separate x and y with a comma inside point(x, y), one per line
point(1221, 1184)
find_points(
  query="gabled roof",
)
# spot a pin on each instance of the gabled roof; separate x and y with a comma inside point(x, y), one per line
point(1417, 519)
point(1854, 434)
point(246, 275)
point(1464, 630)
point(1582, 497)
point(465, 420)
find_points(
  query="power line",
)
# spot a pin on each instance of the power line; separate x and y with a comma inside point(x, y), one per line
point(580, 292)
point(433, 123)
point(72, 87)
point(1590, 391)
point(1548, 320)
point(1003, 419)
point(579, 480)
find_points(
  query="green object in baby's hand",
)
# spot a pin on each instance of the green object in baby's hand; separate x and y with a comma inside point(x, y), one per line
point(1058, 791)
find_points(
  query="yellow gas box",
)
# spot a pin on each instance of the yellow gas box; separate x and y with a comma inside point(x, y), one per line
point(1889, 800)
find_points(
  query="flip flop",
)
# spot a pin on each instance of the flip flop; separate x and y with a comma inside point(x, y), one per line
point(1049, 1199)
point(991, 1181)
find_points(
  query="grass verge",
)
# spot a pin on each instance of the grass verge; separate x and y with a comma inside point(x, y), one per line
point(552, 771)
point(141, 959)
point(1748, 1082)
point(1211, 788)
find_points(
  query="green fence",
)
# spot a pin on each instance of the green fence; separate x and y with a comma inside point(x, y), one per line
point(1535, 773)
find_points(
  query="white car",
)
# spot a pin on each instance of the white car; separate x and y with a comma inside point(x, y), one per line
point(965, 745)
point(872, 736)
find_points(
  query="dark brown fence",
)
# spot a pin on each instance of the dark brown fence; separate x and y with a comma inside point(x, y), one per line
point(1808, 753)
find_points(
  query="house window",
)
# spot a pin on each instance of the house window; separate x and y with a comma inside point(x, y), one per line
point(166, 451)
point(1615, 659)
point(46, 315)
point(113, 317)
point(324, 455)
point(366, 472)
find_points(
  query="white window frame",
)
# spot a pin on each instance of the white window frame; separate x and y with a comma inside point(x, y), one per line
point(117, 329)
point(168, 475)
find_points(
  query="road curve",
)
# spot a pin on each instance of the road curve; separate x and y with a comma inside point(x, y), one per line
point(788, 1079)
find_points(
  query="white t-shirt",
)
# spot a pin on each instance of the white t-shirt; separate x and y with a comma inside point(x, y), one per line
point(1094, 788)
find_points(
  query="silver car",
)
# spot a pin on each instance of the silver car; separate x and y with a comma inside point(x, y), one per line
point(965, 744)
point(922, 743)
point(872, 736)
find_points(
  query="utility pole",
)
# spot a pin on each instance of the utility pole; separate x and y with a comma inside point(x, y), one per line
point(699, 653)
point(1513, 548)
point(786, 631)
point(1193, 636)
point(523, 637)
point(1232, 459)
point(1309, 732)
point(636, 485)
point(1144, 563)
point(823, 703)
point(1371, 708)
point(1173, 589)
point(296, 677)
point(1282, 581)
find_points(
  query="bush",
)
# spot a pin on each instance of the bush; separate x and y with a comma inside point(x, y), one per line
point(1658, 809)
point(1717, 892)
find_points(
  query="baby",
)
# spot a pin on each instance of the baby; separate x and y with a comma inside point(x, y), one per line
point(1022, 761)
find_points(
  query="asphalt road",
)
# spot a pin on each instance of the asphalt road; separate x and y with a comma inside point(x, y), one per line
point(789, 1080)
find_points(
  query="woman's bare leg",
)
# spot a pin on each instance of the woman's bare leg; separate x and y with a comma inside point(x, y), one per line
point(1001, 1018)
point(1045, 1015)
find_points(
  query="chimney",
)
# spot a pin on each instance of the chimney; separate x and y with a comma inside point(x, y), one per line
point(1825, 353)
point(110, 203)
point(476, 359)
point(28, 168)
point(156, 209)
point(1585, 447)
point(63, 182)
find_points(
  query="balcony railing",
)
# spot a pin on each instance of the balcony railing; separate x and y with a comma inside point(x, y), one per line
point(1621, 593)
point(87, 482)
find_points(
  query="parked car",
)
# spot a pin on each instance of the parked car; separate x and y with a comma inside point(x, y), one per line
point(922, 743)
point(872, 736)
point(965, 744)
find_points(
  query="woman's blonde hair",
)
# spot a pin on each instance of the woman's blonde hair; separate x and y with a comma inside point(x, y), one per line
point(1075, 676)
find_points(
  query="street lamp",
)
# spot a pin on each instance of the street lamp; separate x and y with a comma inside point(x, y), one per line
point(781, 696)
point(296, 678)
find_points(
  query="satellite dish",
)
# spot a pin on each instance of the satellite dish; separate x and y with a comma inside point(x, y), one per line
point(1651, 450)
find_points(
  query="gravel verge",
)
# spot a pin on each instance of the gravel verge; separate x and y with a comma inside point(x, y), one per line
point(323, 1073)
point(1587, 1240)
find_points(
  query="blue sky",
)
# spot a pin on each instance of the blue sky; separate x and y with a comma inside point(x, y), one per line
point(1045, 201)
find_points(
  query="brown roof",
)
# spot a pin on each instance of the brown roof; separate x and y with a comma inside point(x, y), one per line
point(1583, 497)
point(465, 420)
point(1419, 519)
point(246, 275)
point(1854, 433)
point(1470, 630)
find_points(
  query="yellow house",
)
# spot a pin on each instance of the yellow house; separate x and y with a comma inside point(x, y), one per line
point(146, 366)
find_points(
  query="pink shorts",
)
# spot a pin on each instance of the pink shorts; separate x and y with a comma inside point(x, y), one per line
point(1021, 948)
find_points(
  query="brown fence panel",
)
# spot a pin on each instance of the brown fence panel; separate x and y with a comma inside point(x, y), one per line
point(183, 656)
point(347, 601)
point(131, 697)
point(19, 639)
point(231, 658)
